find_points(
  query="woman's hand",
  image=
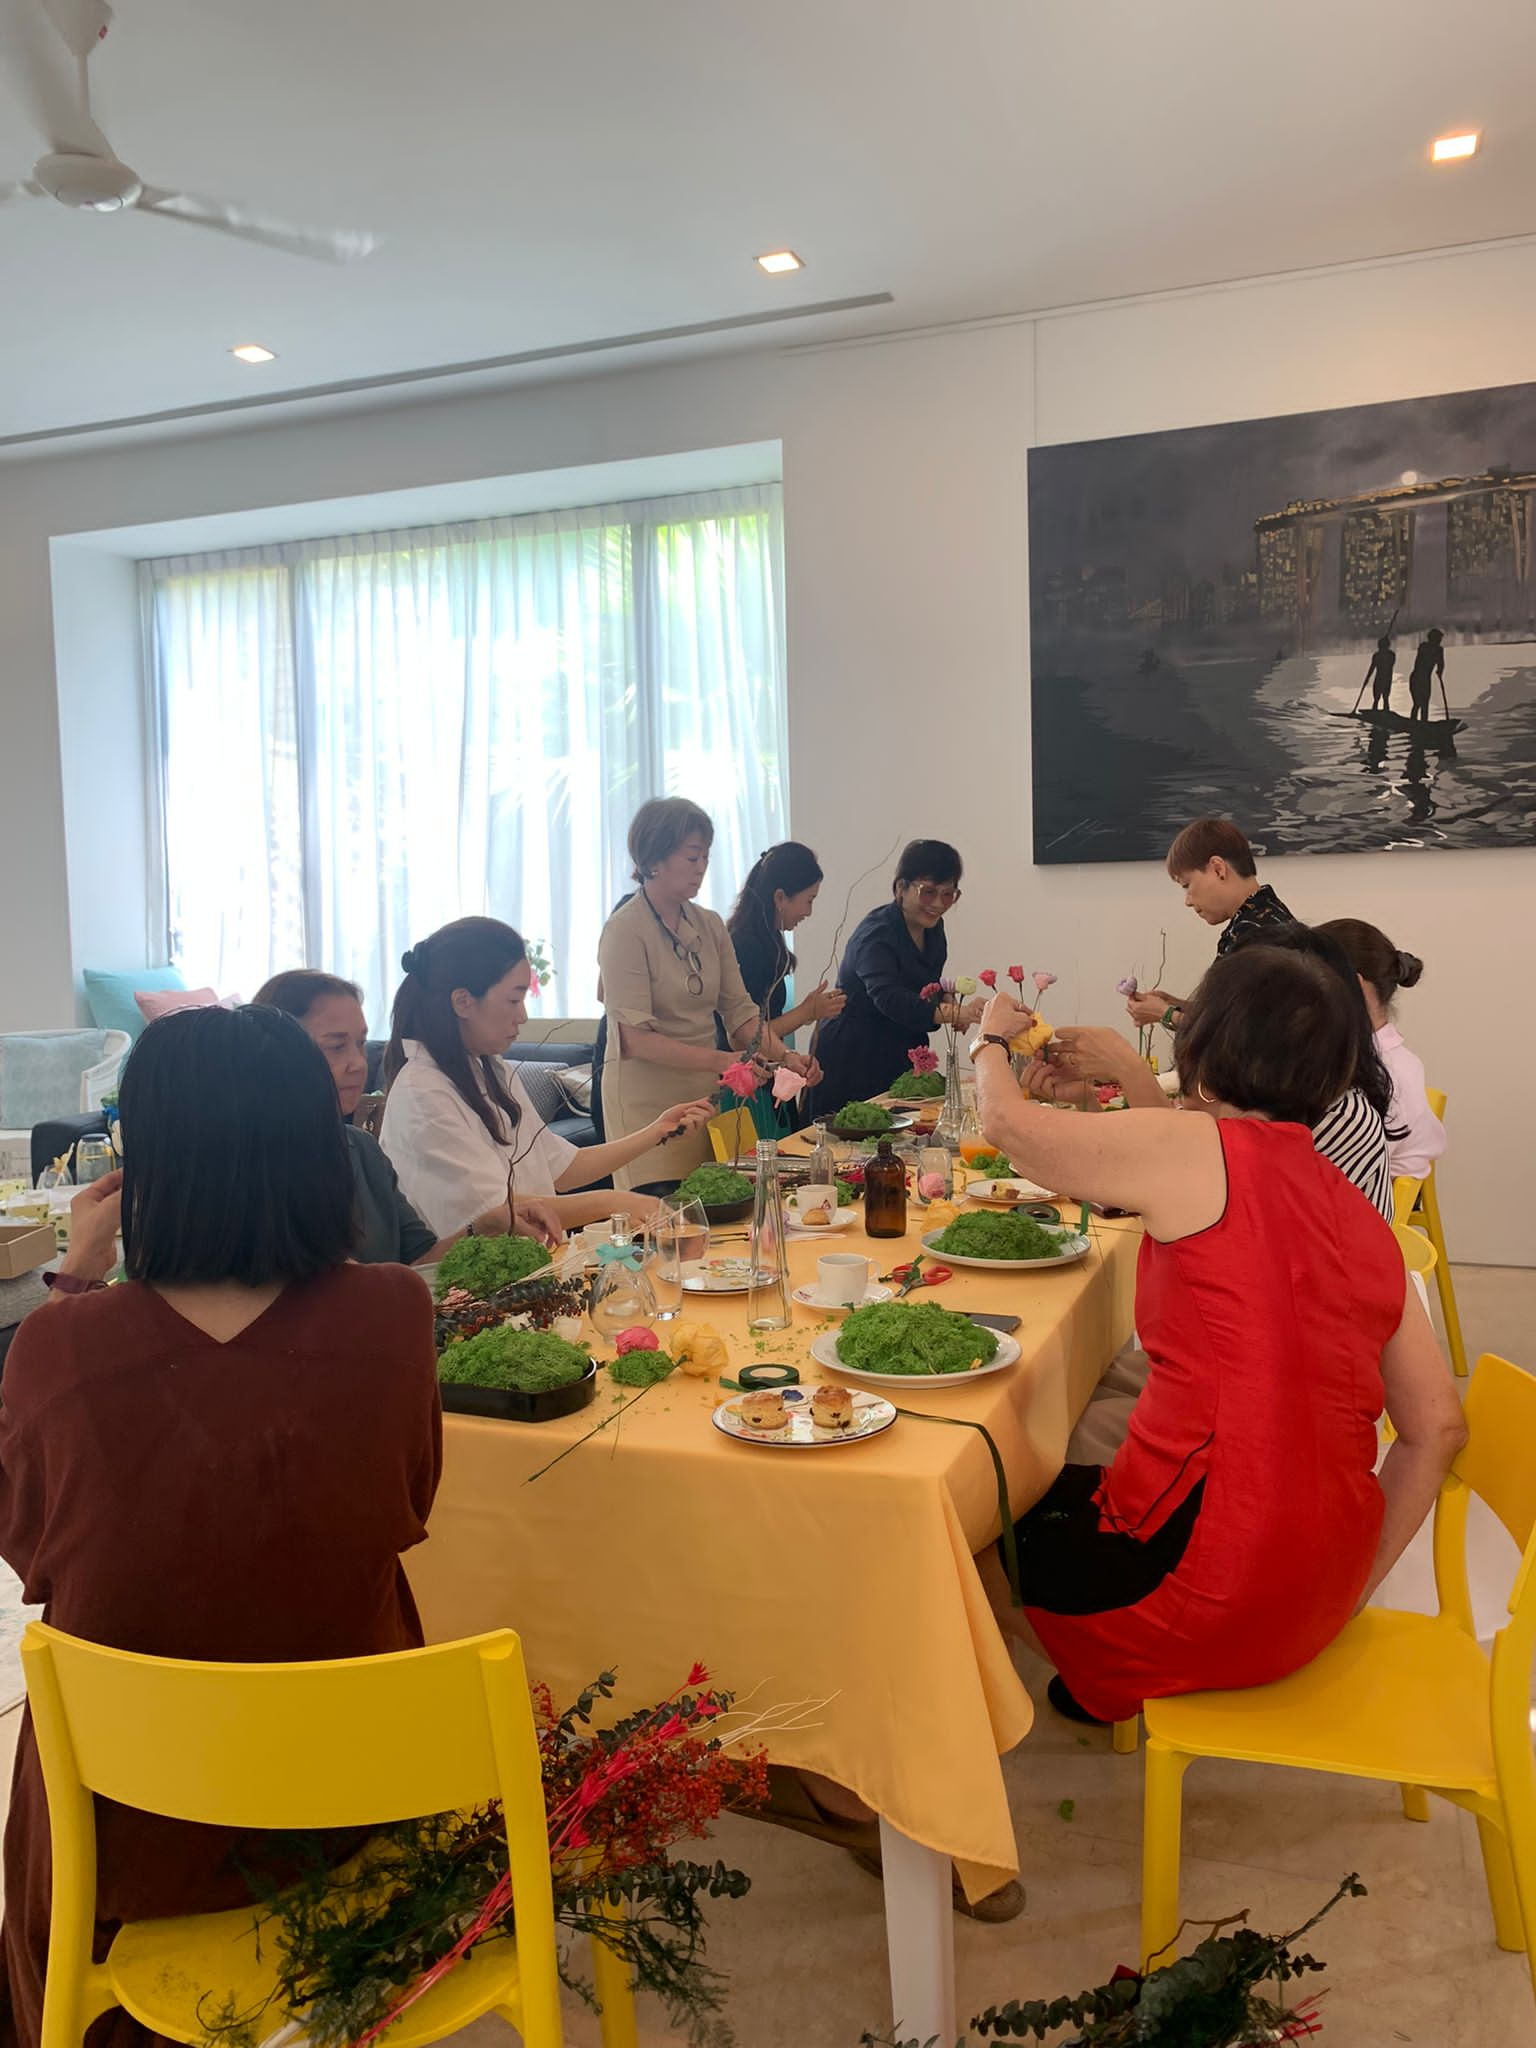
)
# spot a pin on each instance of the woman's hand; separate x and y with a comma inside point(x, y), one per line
point(1093, 1052)
point(1003, 1017)
point(536, 1217)
point(95, 1217)
point(824, 1002)
point(639, 1208)
point(681, 1118)
point(1044, 1082)
point(1149, 1006)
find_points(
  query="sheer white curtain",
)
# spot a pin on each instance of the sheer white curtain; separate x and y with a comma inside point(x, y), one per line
point(365, 737)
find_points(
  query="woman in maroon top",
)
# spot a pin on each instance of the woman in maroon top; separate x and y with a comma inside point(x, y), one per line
point(1242, 1522)
point(225, 1456)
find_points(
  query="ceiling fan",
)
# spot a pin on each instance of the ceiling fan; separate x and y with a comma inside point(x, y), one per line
point(38, 40)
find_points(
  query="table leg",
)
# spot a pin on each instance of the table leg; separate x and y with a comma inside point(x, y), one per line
point(919, 1937)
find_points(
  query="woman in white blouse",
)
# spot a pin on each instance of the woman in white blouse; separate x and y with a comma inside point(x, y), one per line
point(458, 1125)
point(1382, 970)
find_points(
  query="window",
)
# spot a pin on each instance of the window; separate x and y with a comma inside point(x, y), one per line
point(363, 738)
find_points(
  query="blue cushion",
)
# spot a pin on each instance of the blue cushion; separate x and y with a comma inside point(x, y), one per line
point(110, 996)
point(40, 1074)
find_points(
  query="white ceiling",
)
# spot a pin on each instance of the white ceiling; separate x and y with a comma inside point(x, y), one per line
point(548, 174)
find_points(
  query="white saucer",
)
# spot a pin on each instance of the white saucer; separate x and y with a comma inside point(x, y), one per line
point(807, 1297)
point(844, 1219)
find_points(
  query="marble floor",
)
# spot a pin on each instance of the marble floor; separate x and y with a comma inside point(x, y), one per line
point(1414, 1962)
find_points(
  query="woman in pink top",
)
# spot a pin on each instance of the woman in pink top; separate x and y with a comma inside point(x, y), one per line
point(1383, 970)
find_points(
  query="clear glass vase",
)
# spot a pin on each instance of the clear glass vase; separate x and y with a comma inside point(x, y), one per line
point(768, 1298)
point(951, 1124)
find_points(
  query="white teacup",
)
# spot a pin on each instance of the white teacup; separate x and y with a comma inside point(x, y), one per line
point(842, 1279)
point(814, 1195)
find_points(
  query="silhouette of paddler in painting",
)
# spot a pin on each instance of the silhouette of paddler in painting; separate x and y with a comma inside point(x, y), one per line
point(1379, 675)
point(1428, 662)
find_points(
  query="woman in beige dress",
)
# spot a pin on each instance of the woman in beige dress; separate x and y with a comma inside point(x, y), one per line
point(668, 969)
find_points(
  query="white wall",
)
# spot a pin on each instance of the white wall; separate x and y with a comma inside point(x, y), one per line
point(904, 473)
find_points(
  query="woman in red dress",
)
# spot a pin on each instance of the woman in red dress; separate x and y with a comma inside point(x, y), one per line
point(223, 1457)
point(1242, 1521)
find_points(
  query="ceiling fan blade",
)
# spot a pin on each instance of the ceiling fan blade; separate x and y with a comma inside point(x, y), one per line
point(334, 245)
point(47, 80)
point(82, 23)
point(21, 188)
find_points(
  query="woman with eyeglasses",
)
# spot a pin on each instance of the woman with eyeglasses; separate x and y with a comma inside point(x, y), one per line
point(897, 952)
point(668, 969)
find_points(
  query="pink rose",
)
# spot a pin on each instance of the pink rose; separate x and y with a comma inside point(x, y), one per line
point(638, 1338)
point(924, 1059)
point(1016, 974)
point(787, 1087)
point(988, 977)
point(1107, 1092)
point(533, 984)
point(931, 1186)
point(740, 1078)
point(1126, 987)
point(930, 991)
point(1042, 980)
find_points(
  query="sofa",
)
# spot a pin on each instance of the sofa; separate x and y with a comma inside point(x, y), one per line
point(60, 1134)
point(48, 1075)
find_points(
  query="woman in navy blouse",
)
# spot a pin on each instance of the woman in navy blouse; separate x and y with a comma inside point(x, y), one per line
point(892, 957)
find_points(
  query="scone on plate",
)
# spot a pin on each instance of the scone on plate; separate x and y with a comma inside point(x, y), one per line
point(832, 1408)
point(763, 1410)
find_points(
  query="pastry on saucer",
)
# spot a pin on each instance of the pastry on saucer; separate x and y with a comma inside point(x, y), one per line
point(832, 1407)
point(763, 1410)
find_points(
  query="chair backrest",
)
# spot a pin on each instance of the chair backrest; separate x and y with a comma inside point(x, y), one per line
point(1405, 1193)
point(1498, 1460)
point(1436, 1099)
point(1419, 1255)
point(335, 1744)
point(732, 1133)
point(350, 1743)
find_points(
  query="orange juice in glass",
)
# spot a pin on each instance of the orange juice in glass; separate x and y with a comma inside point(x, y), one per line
point(972, 1149)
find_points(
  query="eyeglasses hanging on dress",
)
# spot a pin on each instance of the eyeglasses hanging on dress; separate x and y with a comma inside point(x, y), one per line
point(690, 956)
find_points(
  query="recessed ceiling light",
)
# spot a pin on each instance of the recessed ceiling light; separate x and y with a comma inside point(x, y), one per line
point(253, 352)
point(777, 261)
point(1447, 148)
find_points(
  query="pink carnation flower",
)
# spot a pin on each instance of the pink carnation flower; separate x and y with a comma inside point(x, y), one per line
point(930, 990)
point(740, 1078)
point(924, 1059)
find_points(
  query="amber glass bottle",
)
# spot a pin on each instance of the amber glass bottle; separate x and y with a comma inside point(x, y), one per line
point(885, 1194)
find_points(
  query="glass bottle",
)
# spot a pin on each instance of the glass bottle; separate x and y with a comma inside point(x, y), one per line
point(622, 1296)
point(951, 1125)
point(768, 1297)
point(885, 1193)
point(821, 1167)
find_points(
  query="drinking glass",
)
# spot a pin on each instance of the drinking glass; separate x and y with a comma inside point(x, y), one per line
point(93, 1160)
point(676, 1241)
point(935, 1159)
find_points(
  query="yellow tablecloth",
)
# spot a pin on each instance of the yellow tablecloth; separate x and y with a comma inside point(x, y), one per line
point(842, 1575)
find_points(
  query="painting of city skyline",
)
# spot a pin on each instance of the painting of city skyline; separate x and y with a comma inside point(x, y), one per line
point(1322, 624)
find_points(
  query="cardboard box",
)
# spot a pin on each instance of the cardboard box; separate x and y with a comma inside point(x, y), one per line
point(24, 1247)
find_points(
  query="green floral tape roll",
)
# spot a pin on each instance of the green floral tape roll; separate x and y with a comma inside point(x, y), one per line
point(755, 1379)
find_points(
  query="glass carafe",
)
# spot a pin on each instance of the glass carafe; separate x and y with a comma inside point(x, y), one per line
point(768, 1299)
point(622, 1296)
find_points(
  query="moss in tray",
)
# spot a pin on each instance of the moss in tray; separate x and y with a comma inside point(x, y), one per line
point(528, 1361)
point(717, 1187)
point(484, 1265)
point(911, 1087)
point(862, 1119)
point(983, 1234)
point(913, 1338)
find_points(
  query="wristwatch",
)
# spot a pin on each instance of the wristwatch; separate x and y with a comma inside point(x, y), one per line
point(1173, 1011)
point(987, 1038)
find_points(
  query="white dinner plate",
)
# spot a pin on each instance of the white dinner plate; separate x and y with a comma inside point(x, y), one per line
point(824, 1351)
point(871, 1416)
point(809, 1298)
point(1073, 1247)
point(1025, 1191)
point(843, 1219)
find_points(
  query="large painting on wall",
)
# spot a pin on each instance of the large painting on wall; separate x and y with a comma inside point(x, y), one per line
point(1323, 624)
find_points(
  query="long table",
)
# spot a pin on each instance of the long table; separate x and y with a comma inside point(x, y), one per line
point(842, 1576)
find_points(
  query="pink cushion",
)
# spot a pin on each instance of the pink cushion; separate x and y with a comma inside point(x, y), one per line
point(164, 1002)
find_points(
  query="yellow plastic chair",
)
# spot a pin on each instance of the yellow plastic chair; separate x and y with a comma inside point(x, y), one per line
point(1427, 1207)
point(354, 1743)
point(1419, 1255)
point(732, 1134)
point(1408, 1698)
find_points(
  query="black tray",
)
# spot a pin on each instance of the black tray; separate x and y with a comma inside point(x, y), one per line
point(728, 1212)
point(507, 1404)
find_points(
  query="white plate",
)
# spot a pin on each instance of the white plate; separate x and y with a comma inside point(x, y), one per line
point(738, 1280)
point(986, 1191)
point(843, 1220)
point(809, 1298)
point(824, 1351)
point(1073, 1248)
point(870, 1417)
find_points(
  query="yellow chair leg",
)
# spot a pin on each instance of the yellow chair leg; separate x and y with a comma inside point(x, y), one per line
point(1126, 1735)
point(1162, 1800)
point(1429, 1202)
point(1508, 1928)
point(1520, 1845)
point(1415, 1803)
point(615, 1992)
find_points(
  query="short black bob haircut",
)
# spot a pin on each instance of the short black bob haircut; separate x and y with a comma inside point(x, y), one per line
point(234, 1162)
point(928, 860)
point(1269, 1030)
